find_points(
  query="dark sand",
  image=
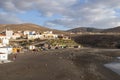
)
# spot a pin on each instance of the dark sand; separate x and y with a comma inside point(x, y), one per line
point(63, 64)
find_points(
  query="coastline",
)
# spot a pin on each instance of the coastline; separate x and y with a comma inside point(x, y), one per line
point(63, 64)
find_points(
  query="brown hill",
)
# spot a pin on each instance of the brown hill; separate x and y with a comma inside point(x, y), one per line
point(98, 41)
point(115, 29)
point(18, 27)
point(84, 29)
point(28, 26)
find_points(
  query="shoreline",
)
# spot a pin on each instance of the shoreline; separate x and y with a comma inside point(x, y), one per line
point(63, 64)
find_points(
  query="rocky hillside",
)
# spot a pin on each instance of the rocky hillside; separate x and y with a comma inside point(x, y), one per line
point(28, 26)
point(17, 27)
point(98, 41)
point(115, 29)
point(88, 29)
point(84, 29)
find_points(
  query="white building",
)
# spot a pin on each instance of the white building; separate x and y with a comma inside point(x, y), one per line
point(3, 56)
point(5, 42)
point(2, 36)
point(16, 35)
point(32, 33)
point(45, 35)
point(9, 34)
point(26, 32)
point(31, 47)
point(49, 35)
point(30, 37)
point(7, 50)
point(48, 32)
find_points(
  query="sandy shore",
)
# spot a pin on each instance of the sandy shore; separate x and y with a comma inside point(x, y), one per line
point(63, 64)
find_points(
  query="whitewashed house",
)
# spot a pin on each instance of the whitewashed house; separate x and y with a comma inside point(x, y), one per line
point(32, 36)
point(31, 47)
point(3, 57)
point(9, 34)
point(2, 36)
point(46, 35)
point(16, 35)
point(5, 42)
point(26, 32)
point(32, 33)
point(49, 35)
point(6, 50)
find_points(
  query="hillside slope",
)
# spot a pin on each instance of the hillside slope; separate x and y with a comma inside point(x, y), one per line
point(115, 29)
point(28, 26)
point(84, 29)
point(98, 41)
point(17, 27)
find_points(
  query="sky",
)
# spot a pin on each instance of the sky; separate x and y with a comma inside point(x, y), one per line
point(61, 14)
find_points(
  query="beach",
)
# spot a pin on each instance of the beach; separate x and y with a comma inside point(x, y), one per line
point(61, 64)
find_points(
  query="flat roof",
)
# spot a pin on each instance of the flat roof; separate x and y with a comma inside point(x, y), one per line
point(2, 53)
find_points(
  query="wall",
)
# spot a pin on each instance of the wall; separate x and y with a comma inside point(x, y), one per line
point(3, 56)
point(6, 50)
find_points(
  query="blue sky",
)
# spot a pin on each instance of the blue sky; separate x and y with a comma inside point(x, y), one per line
point(61, 14)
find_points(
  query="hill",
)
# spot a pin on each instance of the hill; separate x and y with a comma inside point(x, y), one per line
point(28, 26)
point(88, 29)
point(84, 29)
point(115, 29)
point(98, 41)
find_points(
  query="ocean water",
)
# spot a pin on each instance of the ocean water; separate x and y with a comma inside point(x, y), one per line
point(114, 66)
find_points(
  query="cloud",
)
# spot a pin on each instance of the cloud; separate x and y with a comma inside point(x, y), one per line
point(73, 13)
point(7, 5)
point(93, 13)
point(8, 18)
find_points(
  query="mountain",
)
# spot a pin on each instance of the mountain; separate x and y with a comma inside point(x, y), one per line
point(28, 26)
point(84, 29)
point(115, 29)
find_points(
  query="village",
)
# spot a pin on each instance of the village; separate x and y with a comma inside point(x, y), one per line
point(20, 41)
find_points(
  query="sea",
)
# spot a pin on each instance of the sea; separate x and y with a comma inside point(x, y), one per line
point(114, 66)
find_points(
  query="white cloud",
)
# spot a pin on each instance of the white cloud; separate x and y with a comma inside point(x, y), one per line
point(8, 18)
point(89, 13)
point(92, 14)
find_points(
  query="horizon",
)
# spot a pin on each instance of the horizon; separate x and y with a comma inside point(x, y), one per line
point(101, 14)
point(57, 29)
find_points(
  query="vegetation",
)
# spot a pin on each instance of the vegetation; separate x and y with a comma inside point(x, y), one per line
point(100, 41)
point(62, 42)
